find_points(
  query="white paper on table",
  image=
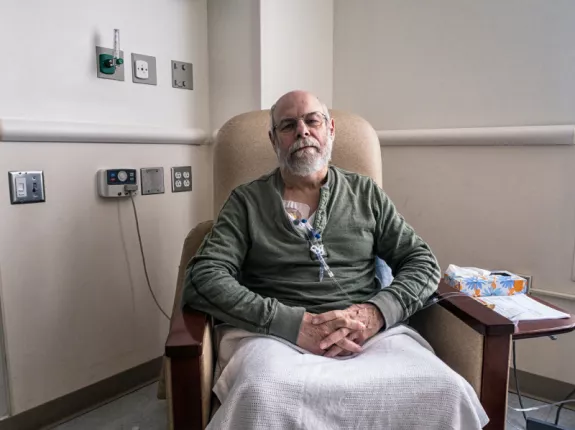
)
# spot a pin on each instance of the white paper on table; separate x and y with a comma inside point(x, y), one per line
point(520, 307)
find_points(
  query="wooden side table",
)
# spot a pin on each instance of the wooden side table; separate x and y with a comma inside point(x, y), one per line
point(498, 332)
point(532, 329)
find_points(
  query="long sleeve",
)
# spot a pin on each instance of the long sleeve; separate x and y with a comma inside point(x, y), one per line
point(415, 269)
point(211, 283)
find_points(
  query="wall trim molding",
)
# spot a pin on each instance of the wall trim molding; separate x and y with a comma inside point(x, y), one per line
point(86, 399)
point(555, 294)
point(541, 387)
point(483, 136)
point(25, 130)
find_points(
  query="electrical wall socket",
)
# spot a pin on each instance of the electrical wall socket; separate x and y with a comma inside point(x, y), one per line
point(144, 69)
point(181, 179)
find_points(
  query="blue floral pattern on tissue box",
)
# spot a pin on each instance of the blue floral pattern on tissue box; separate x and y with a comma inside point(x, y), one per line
point(495, 284)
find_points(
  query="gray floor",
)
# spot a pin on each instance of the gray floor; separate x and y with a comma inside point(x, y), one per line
point(141, 410)
point(515, 419)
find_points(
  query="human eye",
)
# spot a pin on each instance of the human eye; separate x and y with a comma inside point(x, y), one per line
point(286, 125)
point(313, 120)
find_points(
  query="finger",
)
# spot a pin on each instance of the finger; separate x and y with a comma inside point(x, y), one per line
point(347, 322)
point(334, 351)
point(362, 338)
point(333, 338)
point(349, 345)
point(354, 335)
point(337, 351)
point(343, 347)
point(327, 316)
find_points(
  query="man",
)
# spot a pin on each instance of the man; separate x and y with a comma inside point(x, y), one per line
point(310, 339)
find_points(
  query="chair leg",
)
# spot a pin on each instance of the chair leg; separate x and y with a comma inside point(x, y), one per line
point(184, 393)
point(495, 380)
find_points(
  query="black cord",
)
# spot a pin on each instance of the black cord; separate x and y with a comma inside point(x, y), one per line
point(144, 258)
point(517, 384)
point(561, 406)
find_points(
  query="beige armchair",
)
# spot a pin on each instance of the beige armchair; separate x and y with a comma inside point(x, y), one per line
point(466, 335)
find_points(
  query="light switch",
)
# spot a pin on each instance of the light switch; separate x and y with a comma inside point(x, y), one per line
point(21, 187)
point(26, 187)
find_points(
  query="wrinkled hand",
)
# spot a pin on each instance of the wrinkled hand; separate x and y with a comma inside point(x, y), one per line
point(366, 313)
point(311, 336)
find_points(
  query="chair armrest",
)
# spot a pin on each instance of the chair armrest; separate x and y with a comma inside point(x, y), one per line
point(186, 336)
point(476, 315)
point(462, 332)
point(189, 370)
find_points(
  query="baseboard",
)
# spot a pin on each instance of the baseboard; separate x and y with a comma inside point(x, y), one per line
point(58, 410)
point(541, 388)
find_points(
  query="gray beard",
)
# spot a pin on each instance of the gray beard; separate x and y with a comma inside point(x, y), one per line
point(306, 164)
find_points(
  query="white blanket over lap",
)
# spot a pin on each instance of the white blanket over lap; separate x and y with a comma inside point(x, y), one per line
point(397, 382)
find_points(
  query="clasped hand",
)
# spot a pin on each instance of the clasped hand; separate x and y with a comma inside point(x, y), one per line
point(340, 332)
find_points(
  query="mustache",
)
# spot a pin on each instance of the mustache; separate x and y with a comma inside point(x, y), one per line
point(302, 143)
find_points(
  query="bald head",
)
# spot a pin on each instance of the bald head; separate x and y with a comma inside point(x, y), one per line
point(294, 102)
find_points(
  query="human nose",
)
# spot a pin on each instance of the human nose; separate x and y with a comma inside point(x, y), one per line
point(301, 129)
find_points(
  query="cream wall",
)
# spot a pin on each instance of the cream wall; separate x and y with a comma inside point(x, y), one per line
point(75, 301)
point(234, 58)
point(447, 63)
point(408, 65)
point(259, 50)
point(75, 304)
point(296, 48)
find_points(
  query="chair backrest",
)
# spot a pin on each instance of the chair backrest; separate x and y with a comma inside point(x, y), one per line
point(243, 151)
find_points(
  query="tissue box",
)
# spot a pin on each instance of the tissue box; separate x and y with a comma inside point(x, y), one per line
point(479, 283)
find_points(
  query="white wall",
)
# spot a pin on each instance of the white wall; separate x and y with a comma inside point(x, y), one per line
point(234, 58)
point(408, 64)
point(296, 48)
point(75, 304)
point(57, 39)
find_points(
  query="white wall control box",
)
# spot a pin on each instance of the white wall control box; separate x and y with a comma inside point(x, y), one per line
point(112, 182)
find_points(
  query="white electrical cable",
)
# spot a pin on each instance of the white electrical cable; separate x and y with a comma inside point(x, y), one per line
point(536, 408)
point(144, 257)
